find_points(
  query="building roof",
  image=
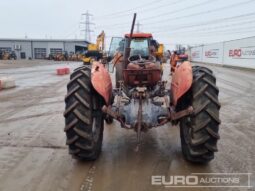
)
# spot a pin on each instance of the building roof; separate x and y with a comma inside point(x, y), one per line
point(44, 40)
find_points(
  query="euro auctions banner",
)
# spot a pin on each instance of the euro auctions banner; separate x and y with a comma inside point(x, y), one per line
point(212, 53)
point(197, 54)
point(240, 53)
point(243, 53)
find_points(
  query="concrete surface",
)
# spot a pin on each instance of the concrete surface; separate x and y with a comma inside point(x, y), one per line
point(33, 155)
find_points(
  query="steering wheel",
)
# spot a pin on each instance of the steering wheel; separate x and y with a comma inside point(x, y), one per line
point(137, 58)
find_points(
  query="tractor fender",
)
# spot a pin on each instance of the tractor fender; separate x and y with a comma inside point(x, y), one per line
point(181, 81)
point(101, 81)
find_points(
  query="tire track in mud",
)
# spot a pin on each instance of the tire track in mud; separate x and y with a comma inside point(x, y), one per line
point(118, 168)
point(231, 162)
point(220, 72)
point(28, 133)
point(239, 100)
point(40, 132)
point(35, 146)
point(233, 96)
point(23, 97)
point(23, 136)
point(34, 130)
point(20, 146)
point(10, 157)
point(34, 136)
point(31, 105)
point(30, 116)
point(47, 71)
point(87, 183)
point(240, 92)
point(30, 96)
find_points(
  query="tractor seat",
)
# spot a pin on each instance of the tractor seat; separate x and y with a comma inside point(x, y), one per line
point(145, 65)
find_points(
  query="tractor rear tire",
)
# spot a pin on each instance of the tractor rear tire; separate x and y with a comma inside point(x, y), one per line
point(199, 132)
point(84, 120)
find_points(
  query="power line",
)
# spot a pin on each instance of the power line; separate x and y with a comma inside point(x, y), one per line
point(181, 17)
point(73, 29)
point(165, 5)
point(219, 32)
point(130, 10)
point(214, 32)
point(227, 26)
point(179, 10)
point(245, 33)
point(87, 25)
point(215, 21)
point(154, 9)
point(202, 12)
point(176, 28)
point(144, 9)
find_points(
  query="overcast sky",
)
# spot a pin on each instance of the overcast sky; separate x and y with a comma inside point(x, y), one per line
point(170, 21)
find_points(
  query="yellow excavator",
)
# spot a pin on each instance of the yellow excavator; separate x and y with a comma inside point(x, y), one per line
point(160, 55)
point(95, 51)
point(160, 51)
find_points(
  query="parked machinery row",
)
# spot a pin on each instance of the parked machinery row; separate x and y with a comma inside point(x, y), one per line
point(64, 56)
point(6, 55)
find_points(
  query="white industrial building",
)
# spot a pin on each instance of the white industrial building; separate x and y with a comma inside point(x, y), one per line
point(41, 48)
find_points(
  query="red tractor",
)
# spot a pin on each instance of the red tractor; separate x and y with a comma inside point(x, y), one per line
point(141, 100)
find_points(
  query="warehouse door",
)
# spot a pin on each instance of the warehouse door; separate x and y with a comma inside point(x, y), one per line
point(80, 49)
point(23, 55)
point(40, 53)
point(54, 51)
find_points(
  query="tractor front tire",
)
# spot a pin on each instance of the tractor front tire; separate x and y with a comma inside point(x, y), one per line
point(84, 120)
point(199, 132)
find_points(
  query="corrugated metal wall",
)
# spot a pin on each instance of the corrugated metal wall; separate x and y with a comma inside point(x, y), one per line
point(29, 46)
point(240, 53)
point(25, 47)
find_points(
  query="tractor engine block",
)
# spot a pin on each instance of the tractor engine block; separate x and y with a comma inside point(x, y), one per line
point(153, 105)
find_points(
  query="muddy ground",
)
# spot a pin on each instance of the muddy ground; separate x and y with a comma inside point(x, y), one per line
point(33, 155)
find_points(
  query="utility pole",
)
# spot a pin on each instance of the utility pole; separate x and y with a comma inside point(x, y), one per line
point(138, 26)
point(87, 24)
